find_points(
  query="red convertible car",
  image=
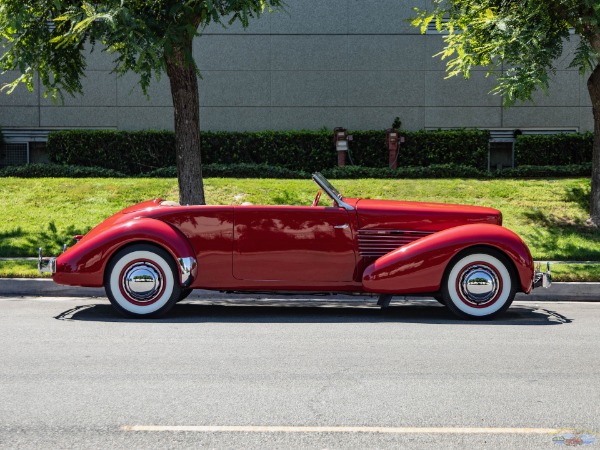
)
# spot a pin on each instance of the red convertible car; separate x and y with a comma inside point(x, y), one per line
point(151, 255)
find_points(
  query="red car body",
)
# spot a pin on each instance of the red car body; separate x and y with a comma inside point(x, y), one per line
point(355, 245)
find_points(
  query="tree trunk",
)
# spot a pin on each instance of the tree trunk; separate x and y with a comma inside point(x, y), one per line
point(593, 84)
point(186, 104)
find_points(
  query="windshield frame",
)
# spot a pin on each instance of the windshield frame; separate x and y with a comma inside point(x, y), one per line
point(331, 191)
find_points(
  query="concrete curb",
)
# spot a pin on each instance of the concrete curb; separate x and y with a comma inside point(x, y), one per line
point(44, 287)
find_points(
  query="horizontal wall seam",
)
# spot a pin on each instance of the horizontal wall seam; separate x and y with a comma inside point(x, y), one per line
point(361, 106)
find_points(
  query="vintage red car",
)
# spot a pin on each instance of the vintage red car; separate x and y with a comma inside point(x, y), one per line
point(151, 255)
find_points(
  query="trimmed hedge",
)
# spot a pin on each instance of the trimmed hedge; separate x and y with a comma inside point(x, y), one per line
point(460, 147)
point(209, 170)
point(233, 171)
point(58, 171)
point(129, 153)
point(147, 152)
point(294, 150)
point(422, 148)
point(2, 149)
point(143, 151)
point(556, 149)
point(433, 171)
point(571, 170)
point(348, 172)
point(458, 171)
point(264, 171)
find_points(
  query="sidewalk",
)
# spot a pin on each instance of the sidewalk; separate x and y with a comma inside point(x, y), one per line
point(40, 287)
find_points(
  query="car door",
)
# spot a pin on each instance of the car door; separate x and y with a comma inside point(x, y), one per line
point(293, 244)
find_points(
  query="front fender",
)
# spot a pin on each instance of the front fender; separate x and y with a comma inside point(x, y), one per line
point(419, 267)
point(84, 263)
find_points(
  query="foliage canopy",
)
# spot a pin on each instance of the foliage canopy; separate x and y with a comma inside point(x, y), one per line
point(519, 42)
point(48, 37)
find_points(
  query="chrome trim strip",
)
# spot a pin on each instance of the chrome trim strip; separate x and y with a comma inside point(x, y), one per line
point(188, 267)
point(380, 231)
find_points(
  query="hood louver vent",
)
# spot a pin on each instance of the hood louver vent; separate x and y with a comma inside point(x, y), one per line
point(376, 243)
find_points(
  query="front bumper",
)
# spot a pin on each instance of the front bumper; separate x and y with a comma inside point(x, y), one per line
point(542, 279)
point(46, 265)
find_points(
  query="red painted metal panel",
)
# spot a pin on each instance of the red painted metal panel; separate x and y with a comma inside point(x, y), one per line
point(84, 263)
point(210, 231)
point(419, 267)
point(395, 215)
point(299, 244)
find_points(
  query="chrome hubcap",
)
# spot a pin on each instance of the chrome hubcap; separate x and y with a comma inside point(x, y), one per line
point(479, 284)
point(142, 282)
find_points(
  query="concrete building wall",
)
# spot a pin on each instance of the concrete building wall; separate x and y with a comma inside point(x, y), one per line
point(351, 63)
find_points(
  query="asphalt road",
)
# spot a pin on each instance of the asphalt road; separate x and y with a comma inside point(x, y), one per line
point(73, 374)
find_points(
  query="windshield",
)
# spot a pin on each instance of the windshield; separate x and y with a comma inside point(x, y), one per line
point(330, 190)
point(325, 184)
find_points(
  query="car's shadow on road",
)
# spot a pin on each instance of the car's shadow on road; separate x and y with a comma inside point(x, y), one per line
point(284, 311)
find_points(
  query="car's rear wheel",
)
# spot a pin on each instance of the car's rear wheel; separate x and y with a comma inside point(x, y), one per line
point(141, 281)
point(479, 283)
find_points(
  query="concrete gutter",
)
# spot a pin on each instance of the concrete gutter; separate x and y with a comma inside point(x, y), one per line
point(44, 287)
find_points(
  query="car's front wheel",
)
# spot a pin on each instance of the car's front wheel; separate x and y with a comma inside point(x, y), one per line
point(141, 281)
point(479, 284)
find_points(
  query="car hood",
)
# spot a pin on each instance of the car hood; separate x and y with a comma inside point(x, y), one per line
point(418, 216)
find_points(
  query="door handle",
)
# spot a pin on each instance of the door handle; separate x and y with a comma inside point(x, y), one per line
point(341, 227)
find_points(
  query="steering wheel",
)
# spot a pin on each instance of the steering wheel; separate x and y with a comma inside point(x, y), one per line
point(317, 198)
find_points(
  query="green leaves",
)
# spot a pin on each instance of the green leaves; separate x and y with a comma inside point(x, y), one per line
point(518, 42)
point(49, 36)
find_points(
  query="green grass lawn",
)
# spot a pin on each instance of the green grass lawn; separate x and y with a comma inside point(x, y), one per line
point(550, 215)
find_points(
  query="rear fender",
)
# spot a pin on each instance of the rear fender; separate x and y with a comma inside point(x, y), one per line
point(419, 267)
point(84, 263)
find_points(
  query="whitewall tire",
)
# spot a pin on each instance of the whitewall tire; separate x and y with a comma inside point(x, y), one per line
point(479, 284)
point(142, 281)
